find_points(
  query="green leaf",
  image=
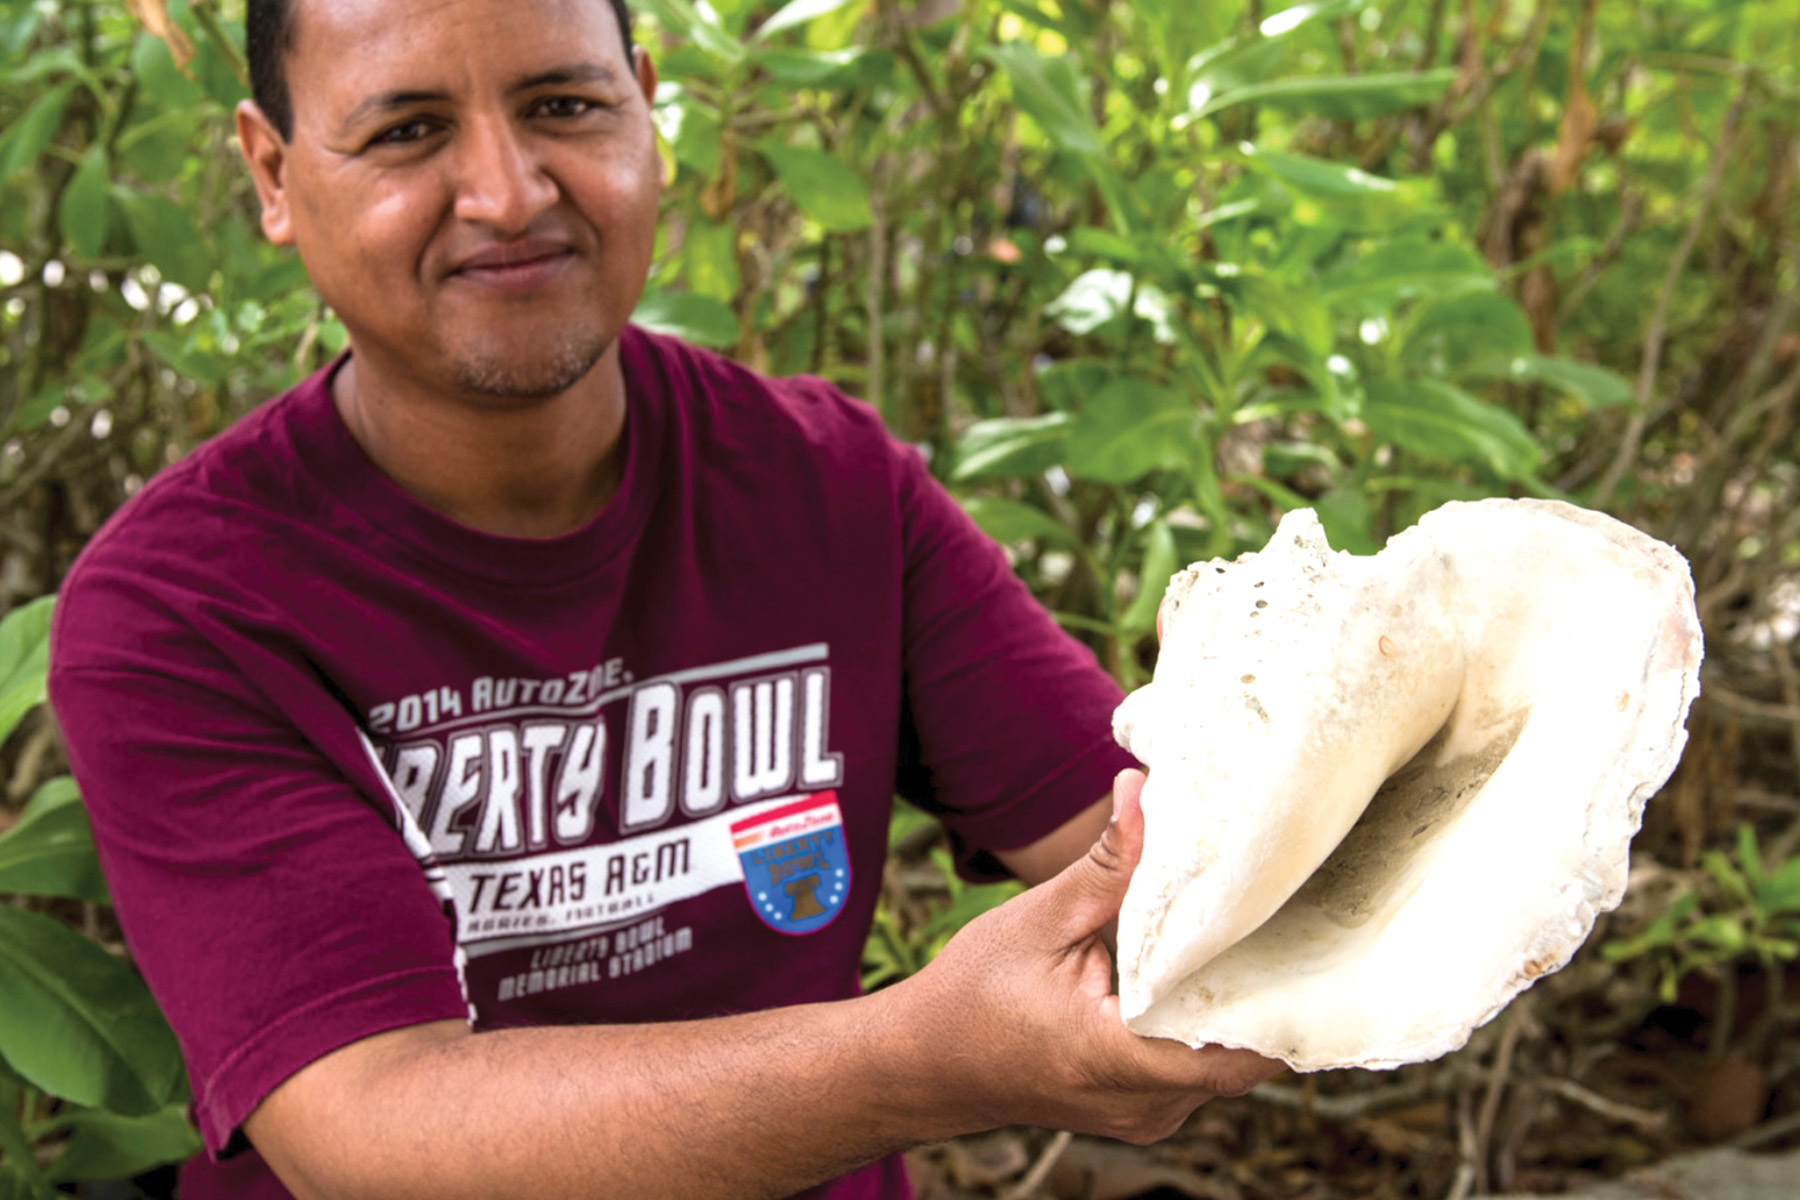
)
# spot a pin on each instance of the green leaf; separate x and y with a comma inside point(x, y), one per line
point(1348, 519)
point(825, 187)
point(1133, 427)
point(857, 66)
point(1457, 334)
point(1410, 268)
point(709, 260)
point(684, 19)
point(1443, 423)
point(166, 235)
point(1160, 564)
point(79, 1023)
point(798, 13)
point(54, 793)
point(1012, 447)
point(703, 320)
point(1338, 97)
point(51, 853)
point(81, 215)
point(179, 350)
point(28, 136)
point(691, 126)
point(104, 1145)
point(1332, 193)
point(24, 661)
point(1780, 891)
point(1010, 521)
point(1593, 386)
point(1047, 89)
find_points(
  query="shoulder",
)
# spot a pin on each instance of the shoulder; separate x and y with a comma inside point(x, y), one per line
point(189, 533)
point(712, 390)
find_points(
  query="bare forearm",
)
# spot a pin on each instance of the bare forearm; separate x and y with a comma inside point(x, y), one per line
point(761, 1104)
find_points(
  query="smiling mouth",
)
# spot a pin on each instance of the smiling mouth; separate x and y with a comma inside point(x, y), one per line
point(516, 275)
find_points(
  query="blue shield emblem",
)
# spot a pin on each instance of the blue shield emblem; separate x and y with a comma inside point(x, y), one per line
point(796, 866)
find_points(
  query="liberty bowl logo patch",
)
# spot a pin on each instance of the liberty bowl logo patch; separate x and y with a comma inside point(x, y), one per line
point(796, 866)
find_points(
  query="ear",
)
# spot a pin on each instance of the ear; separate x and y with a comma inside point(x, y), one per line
point(646, 73)
point(265, 153)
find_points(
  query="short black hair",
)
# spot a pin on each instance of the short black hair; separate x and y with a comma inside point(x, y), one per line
point(269, 35)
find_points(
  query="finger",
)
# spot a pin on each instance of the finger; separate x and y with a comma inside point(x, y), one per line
point(1089, 893)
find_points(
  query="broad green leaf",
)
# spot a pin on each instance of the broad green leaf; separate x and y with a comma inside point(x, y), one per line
point(691, 126)
point(26, 138)
point(798, 13)
point(179, 350)
point(79, 1023)
point(684, 19)
point(1409, 268)
point(36, 411)
point(1047, 89)
point(59, 791)
point(1348, 521)
point(1066, 386)
point(104, 1145)
point(701, 319)
point(81, 215)
point(854, 67)
point(1012, 447)
point(159, 77)
point(1780, 890)
point(1456, 335)
point(1092, 241)
point(156, 150)
point(1011, 521)
point(1295, 312)
point(1442, 423)
point(1160, 564)
point(709, 260)
point(1338, 97)
point(1593, 386)
point(166, 235)
point(1327, 192)
point(825, 187)
point(1130, 429)
point(24, 661)
point(51, 853)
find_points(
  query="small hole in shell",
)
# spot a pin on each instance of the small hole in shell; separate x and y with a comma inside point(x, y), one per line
point(1387, 646)
point(1262, 604)
point(1248, 679)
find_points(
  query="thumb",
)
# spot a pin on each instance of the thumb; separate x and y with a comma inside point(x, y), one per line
point(1089, 892)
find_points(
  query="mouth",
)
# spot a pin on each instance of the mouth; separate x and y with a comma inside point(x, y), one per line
point(516, 267)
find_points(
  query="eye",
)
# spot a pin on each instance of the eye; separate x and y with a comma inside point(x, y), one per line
point(564, 106)
point(404, 133)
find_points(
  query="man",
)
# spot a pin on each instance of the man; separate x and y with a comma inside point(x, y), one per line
point(525, 674)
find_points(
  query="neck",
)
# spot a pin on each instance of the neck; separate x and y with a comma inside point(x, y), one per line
point(523, 469)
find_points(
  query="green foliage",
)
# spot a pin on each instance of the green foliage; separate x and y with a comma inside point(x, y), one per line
point(88, 1066)
point(1748, 913)
point(1138, 277)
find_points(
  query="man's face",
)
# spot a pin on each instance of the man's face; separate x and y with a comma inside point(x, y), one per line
point(472, 184)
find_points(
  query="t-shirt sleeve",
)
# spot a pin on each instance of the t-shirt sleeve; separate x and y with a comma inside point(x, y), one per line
point(1010, 717)
point(270, 903)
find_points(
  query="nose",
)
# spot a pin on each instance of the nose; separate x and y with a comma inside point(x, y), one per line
point(501, 182)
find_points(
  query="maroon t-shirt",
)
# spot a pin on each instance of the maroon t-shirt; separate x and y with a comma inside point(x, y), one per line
point(353, 766)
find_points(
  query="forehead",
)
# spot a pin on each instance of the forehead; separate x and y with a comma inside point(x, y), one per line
point(340, 50)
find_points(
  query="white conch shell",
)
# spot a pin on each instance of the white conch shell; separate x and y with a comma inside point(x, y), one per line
point(1508, 681)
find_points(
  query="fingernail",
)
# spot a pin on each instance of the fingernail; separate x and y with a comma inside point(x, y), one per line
point(1115, 800)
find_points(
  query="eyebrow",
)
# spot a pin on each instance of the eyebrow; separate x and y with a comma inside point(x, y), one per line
point(399, 98)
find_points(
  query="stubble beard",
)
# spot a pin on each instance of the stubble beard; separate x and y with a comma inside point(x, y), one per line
point(539, 377)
